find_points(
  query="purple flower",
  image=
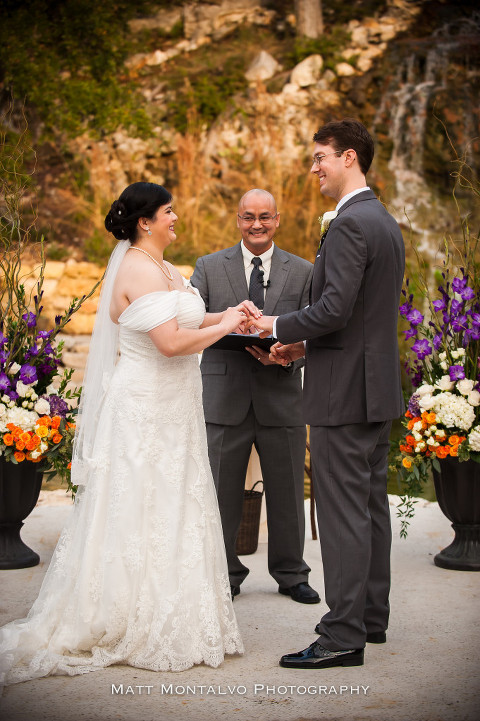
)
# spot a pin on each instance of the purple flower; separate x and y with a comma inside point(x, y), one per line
point(31, 352)
point(439, 305)
point(422, 348)
point(437, 341)
point(467, 293)
point(13, 395)
point(414, 317)
point(410, 333)
point(413, 406)
point(58, 407)
point(4, 382)
point(456, 306)
point(31, 319)
point(456, 373)
point(405, 308)
point(459, 323)
point(3, 356)
point(3, 339)
point(458, 284)
point(28, 374)
point(43, 334)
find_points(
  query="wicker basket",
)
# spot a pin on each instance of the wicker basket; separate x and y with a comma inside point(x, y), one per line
point(247, 539)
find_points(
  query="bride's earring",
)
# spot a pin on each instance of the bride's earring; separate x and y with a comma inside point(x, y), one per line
point(148, 230)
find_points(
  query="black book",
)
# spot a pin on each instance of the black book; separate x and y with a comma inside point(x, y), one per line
point(237, 341)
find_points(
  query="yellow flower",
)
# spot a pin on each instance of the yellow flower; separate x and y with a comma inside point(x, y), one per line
point(406, 462)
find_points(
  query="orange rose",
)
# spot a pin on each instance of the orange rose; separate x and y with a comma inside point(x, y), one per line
point(8, 439)
point(410, 440)
point(431, 418)
point(20, 445)
point(10, 426)
point(69, 466)
point(454, 440)
point(31, 445)
point(57, 438)
point(442, 451)
point(56, 421)
point(406, 462)
point(19, 457)
point(454, 451)
point(25, 437)
point(408, 414)
point(36, 441)
point(44, 421)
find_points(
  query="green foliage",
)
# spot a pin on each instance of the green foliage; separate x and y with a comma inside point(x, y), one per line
point(97, 248)
point(66, 60)
point(329, 46)
point(205, 94)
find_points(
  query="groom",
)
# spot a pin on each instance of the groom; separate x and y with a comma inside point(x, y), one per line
point(352, 392)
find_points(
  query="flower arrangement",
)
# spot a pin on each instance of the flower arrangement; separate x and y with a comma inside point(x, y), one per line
point(37, 407)
point(443, 415)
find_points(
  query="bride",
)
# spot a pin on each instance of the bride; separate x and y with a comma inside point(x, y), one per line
point(139, 574)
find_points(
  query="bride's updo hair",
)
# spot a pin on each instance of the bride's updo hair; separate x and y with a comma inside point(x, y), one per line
point(138, 200)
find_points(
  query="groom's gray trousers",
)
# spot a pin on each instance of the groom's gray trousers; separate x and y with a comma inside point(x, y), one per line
point(282, 457)
point(349, 465)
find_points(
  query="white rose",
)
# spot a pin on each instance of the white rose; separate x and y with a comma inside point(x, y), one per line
point(442, 356)
point(417, 435)
point(455, 354)
point(3, 410)
point(465, 386)
point(14, 368)
point(42, 407)
point(474, 439)
point(424, 390)
point(444, 384)
point(417, 426)
point(35, 453)
point(51, 390)
point(444, 365)
point(5, 398)
point(426, 403)
point(461, 352)
point(22, 389)
point(474, 398)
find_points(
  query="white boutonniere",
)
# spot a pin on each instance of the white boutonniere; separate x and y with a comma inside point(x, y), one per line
point(326, 219)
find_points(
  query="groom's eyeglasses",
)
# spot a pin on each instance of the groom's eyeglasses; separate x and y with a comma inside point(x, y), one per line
point(318, 159)
point(264, 218)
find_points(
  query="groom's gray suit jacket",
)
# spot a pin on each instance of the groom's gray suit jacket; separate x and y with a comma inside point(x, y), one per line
point(352, 370)
point(233, 380)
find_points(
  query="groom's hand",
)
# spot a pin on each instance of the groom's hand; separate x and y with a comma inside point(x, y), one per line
point(264, 324)
point(285, 354)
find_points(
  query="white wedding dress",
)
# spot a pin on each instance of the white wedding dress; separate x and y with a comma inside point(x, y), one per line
point(139, 575)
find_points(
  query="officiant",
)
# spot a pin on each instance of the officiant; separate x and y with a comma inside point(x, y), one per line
point(248, 401)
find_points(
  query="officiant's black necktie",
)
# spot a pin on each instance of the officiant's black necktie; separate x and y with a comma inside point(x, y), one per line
point(255, 290)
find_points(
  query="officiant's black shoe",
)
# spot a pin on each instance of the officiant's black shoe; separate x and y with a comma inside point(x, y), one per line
point(373, 637)
point(316, 656)
point(301, 592)
point(234, 590)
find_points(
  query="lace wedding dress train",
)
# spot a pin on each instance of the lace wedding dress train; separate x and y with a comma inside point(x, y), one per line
point(139, 574)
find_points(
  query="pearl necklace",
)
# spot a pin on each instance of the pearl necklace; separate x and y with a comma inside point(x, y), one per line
point(164, 270)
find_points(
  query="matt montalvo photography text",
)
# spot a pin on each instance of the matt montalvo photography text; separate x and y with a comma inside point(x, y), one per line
point(258, 689)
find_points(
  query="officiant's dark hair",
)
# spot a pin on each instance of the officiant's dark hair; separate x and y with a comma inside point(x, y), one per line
point(138, 200)
point(345, 134)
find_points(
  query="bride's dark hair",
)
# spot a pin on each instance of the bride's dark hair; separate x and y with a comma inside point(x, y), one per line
point(138, 200)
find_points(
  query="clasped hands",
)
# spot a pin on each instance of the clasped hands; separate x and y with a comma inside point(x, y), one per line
point(255, 322)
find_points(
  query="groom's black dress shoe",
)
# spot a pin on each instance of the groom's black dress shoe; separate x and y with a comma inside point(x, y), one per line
point(234, 590)
point(302, 592)
point(316, 656)
point(373, 637)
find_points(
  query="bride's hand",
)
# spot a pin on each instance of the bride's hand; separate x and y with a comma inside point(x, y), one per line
point(233, 319)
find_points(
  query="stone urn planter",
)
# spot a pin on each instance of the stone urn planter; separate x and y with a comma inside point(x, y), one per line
point(19, 490)
point(457, 487)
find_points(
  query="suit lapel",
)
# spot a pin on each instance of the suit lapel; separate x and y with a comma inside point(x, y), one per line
point(279, 270)
point(235, 271)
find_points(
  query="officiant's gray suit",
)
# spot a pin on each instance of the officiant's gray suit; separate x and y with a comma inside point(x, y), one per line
point(247, 403)
point(352, 391)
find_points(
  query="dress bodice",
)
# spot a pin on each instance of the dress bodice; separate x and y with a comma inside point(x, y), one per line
point(150, 311)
